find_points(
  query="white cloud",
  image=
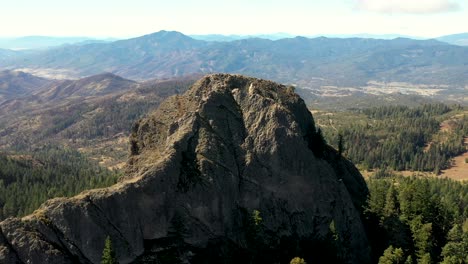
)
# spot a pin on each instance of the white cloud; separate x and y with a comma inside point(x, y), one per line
point(408, 6)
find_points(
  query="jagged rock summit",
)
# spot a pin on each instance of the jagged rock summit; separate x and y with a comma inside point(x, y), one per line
point(232, 171)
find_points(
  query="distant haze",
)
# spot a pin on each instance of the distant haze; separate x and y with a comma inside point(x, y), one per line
point(122, 19)
point(42, 42)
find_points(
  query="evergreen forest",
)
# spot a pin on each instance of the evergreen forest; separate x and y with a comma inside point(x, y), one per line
point(28, 180)
point(417, 220)
point(398, 138)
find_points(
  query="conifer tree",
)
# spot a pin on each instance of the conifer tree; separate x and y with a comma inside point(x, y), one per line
point(392, 256)
point(108, 254)
point(297, 260)
point(340, 144)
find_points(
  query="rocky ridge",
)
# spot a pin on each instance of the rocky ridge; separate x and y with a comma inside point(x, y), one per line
point(231, 171)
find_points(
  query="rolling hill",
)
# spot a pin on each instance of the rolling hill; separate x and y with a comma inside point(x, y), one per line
point(97, 85)
point(14, 84)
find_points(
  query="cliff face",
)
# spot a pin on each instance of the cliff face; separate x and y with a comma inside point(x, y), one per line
point(232, 170)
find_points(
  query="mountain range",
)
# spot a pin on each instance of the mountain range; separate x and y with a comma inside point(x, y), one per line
point(460, 39)
point(44, 42)
point(307, 62)
point(277, 36)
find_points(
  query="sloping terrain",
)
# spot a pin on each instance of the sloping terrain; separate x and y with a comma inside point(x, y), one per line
point(232, 170)
point(93, 114)
point(460, 39)
point(14, 84)
point(96, 85)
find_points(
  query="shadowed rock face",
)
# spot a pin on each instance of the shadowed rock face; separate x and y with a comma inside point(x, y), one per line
point(201, 167)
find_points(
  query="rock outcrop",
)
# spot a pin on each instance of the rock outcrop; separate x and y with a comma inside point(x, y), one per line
point(232, 171)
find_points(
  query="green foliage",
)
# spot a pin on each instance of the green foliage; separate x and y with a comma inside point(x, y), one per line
point(27, 180)
point(392, 256)
point(108, 254)
point(456, 249)
point(257, 219)
point(333, 232)
point(422, 216)
point(425, 259)
point(391, 207)
point(398, 137)
point(340, 144)
point(409, 260)
point(423, 238)
point(297, 260)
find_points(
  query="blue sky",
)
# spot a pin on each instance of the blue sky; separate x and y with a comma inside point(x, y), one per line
point(124, 18)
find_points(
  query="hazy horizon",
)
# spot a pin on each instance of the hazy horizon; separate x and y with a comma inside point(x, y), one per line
point(111, 19)
point(286, 34)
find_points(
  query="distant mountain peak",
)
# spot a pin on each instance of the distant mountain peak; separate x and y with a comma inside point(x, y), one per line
point(167, 35)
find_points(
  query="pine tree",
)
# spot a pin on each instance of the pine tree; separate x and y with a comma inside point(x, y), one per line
point(422, 237)
point(456, 249)
point(297, 260)
point(340, 144)
point(409, 260)
point(108, 254)
point(392, 256)
point(391, 202)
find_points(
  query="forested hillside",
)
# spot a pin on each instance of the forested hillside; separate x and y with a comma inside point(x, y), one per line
point(28, 180)
point(417, 220)
point(422, 138)
point(61, 141)
point(96, 124)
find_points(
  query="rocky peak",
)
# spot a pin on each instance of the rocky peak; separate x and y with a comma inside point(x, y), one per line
point(230, 106)
point(231, 171)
